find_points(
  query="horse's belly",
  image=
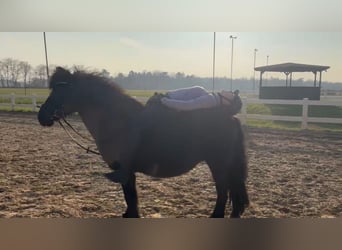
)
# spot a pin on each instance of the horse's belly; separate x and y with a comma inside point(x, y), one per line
point(161, 170)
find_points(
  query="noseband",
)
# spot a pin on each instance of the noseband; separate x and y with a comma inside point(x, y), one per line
point(59, 114)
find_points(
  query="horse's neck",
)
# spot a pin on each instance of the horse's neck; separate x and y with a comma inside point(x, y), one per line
point(108, 126)
point(103, 122)
point(92, 117)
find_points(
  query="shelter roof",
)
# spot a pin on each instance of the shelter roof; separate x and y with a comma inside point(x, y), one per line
point(292, 67)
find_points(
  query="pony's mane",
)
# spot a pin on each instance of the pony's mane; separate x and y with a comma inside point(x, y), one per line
point(96, 82)
point(87, 78)
point(93, 87)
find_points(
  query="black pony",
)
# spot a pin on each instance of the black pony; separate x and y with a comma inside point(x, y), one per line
point(170, 143)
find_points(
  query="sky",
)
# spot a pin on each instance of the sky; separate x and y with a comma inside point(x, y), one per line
point(187, 52)
point(166, 15)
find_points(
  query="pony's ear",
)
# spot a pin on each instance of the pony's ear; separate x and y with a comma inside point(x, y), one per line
point(62, 72)
point(60, 75)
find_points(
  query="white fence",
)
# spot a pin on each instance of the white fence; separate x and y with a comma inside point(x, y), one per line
point(304, 118)
point(13, 104)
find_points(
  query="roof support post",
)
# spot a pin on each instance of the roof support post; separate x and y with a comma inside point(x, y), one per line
point(260, 83)
point(315, 73)
point(320, 79)
point(291, 79)
point(287, 77)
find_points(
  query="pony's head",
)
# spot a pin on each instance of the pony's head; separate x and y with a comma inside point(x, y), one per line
point(61, 100)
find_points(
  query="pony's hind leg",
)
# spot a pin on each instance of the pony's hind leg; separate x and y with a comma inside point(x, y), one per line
point(230, 176)
point(221, 190)
point(229, 182)
point(131, 198)
point(221, 200)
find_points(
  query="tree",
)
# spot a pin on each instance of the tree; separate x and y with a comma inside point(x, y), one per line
point(39, 76)
point(2, 74)
point(25, 68)
point(105, 73)
point(120, 75)
point(5, 69)
point(14, 71)
point(180, 75)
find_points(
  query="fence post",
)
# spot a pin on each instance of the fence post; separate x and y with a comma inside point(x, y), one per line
point(12, 101)
point(244, 111)
point(34, 102)
point(305, 113)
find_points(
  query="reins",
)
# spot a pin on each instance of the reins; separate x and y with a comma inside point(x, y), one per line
point(75, 131)
point(87, 149)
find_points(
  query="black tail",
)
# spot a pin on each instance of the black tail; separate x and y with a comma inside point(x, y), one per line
point(238, 195)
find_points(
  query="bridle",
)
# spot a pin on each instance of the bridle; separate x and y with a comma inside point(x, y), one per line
point(59, 115)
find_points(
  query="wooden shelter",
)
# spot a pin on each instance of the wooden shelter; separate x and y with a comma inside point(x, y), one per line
point(288, 91)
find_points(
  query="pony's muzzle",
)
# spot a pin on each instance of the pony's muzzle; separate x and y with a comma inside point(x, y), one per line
point(45, 116)
point(44, 121)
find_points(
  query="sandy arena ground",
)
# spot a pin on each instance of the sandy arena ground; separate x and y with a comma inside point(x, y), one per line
point(44, 174)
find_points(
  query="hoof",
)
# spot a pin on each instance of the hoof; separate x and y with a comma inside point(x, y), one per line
point(132, 215)
point(217, 216)
point(235, 215)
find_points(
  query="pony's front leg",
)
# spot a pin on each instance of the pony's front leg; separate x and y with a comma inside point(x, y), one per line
point(131, 197)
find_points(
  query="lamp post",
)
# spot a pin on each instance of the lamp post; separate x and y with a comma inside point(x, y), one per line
point(255, 51)
point(46, 58)
point(266, 65)
point(214, 62)
point(231, 63)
